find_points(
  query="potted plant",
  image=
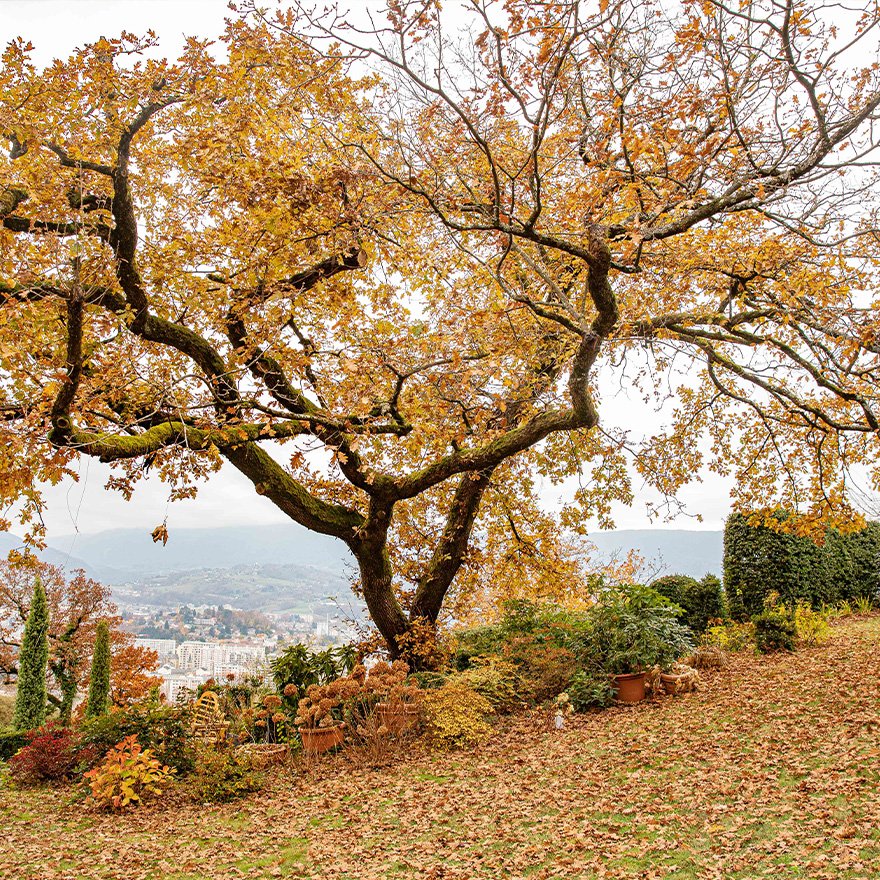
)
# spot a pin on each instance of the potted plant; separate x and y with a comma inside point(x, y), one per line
point(633, 629)
point(317, 718)
point(679, 679)
point(397, 707)
point(269, 722)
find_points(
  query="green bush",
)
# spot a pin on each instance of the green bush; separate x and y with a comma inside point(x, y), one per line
point(220, 776)
point(774, 631)
point(700, 601)
point(10, 742)
point(543, 669)
point(477, 641)
point(538, 639)
point(298, 668)
point(633, 628)
point(589, 690)
point(162, 729)
point(674, 587)
point(495, 679)
point(759, 561)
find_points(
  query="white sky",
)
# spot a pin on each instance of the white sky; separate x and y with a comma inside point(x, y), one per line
point(56, 27)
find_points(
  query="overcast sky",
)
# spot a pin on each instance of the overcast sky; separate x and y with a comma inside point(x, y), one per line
point(56, 27)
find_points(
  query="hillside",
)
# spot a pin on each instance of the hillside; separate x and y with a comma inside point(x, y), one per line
point(278, 589)
point(285, 568)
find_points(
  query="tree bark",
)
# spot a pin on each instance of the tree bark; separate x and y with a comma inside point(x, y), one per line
point(370, 548)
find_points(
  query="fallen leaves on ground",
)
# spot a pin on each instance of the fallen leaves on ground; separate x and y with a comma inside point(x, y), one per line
point(772, 769)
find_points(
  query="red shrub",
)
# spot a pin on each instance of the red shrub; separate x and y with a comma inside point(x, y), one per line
point(50, 755)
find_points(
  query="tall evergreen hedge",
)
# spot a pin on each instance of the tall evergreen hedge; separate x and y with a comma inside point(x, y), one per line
point(759, 560)
point(700, 601)
point(30, 694)
point(99, 679)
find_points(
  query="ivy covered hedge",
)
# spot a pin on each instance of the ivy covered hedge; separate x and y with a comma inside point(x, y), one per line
point(759, 560)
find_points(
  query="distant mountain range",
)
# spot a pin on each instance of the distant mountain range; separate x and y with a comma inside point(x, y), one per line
point(286, 568)
point(666, 551)
point(132, 552)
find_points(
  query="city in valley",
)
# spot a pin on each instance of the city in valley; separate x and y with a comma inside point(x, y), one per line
point(197, 643)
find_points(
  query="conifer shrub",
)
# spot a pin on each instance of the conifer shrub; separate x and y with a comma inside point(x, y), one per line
point(775, 630)
point(99, 678)
point(700, 601)
point(33, 658)
point(759, 561)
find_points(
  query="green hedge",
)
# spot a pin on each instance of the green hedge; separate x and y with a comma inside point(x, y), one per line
point(10, 742)
point(700, 601)
point(759, 560)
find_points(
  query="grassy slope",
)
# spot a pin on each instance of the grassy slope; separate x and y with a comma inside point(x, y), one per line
point(772, 770)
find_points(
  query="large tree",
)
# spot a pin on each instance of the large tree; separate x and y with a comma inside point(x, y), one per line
point(384, 271)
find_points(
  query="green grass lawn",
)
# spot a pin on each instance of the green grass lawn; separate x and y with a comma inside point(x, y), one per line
point(771, 770)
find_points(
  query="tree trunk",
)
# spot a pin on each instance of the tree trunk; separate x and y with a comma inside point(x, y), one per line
point(377, 582)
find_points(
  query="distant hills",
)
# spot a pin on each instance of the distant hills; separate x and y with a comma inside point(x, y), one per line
point(286, 568)
point(666, 551)
point(132, 552)
point(276, 589)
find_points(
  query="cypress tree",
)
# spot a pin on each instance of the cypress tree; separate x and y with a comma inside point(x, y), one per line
point(30, 696)
point(99, 682)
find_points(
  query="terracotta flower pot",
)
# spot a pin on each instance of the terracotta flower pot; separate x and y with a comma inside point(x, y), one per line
point(670, 680)
point(397, 717)
point(631, 687)
point(321, 739)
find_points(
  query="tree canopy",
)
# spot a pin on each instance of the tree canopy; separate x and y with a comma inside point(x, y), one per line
point(386, 271)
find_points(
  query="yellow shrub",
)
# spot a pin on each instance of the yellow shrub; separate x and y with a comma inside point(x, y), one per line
point(811, 626)
point(496, 680)
point(456, 715)
point(729, 636)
